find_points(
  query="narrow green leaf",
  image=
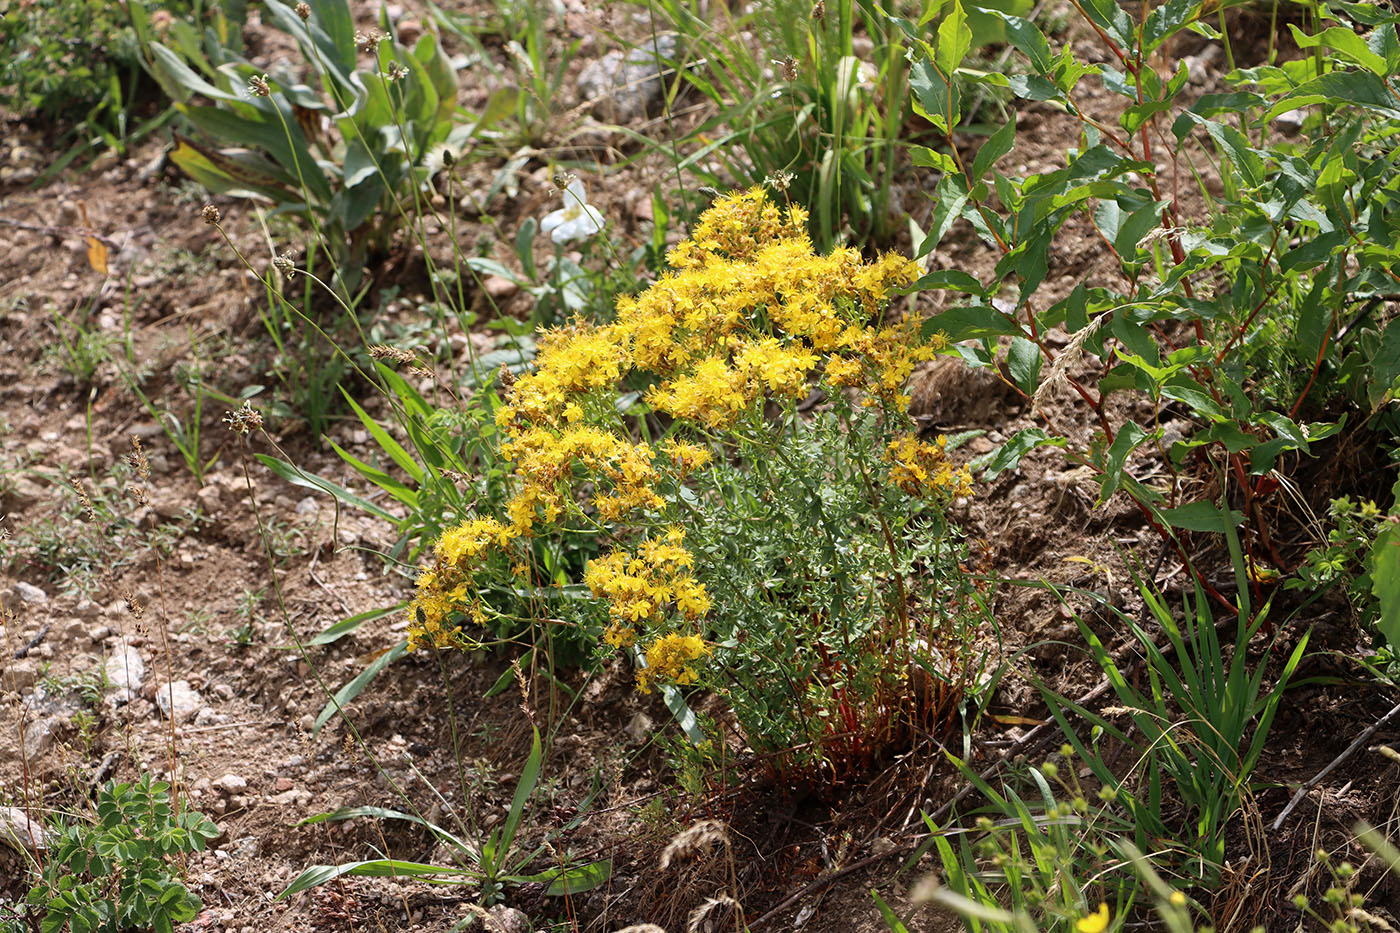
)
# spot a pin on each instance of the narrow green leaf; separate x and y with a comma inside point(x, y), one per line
point(298, 477)
point(1201, 516)
point(357, 685)
point(345, 626)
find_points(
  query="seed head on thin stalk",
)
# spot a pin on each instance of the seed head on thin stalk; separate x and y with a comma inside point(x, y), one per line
point(211, 215)
point(258, 86)
point(245, 420)
point(303, 11)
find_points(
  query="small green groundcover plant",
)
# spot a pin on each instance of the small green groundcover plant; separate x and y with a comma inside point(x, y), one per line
point(771, 525)
point(112, 873)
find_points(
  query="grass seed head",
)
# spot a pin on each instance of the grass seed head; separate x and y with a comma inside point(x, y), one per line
point(698, 839)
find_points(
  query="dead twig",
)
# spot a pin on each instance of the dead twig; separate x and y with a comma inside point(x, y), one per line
point(33, 642)
point(1346, 753)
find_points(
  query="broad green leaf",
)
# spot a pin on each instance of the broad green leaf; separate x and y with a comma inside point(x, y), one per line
point(242, 174)
point(996, 146)
point(931, 158)
point(973, 322)
point(1167, 20)
point(578, 879)
point(954, 40)
point(1384, 562)
point(1023, 360)
point(1346, 42)
point(1340, 88)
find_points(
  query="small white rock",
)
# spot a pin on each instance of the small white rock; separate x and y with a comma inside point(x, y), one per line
point(16, 829)
point(29, 593)
point(125, 673)
point(179, 701)
point(231, 784)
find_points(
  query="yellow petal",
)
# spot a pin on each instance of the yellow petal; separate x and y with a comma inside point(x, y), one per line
point(1096, 922)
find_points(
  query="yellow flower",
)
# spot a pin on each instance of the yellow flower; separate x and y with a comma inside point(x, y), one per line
point(1096, 922)
point(669, 659)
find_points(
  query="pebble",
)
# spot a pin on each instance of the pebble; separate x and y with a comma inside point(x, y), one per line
point(29, 593)
point(231, 784)
point(179, 701)
point(125, 673)
point(498, 286)
point(640, 727)
point(39, 737)
point(623, 88)
point(210, 498)
point(17, 830)
point(223, 691)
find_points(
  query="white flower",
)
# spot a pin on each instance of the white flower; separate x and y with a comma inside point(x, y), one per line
point(576, 219)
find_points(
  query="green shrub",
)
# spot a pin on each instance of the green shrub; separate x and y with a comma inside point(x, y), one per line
point(1256, 314)
point(799, 565)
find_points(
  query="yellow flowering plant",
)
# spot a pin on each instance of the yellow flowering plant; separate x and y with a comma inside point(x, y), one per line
point(770, 525)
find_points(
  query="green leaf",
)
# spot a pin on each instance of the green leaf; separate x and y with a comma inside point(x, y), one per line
point(954, 40)
point(954, 279)
point(925, 157)
point(682, 713)
point(1384, 562)
point(298, 477)
point(1023, 359)
point(1167, 20)
point(996, 146)
point(1008, 456)
point(1339, 88)
point(345, 626)
point(1026, 36)
point(892, 921)
point(1346, 42)
point(241, 174)
point(529, 777)
point(1201, 516)
point(953, 195)
point(378, 477)
point(385, 441)
point(578, 879)
point(971, 322)
point(356, 686)
point(376, 868)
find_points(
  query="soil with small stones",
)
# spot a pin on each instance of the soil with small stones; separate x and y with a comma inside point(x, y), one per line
point(117, 555)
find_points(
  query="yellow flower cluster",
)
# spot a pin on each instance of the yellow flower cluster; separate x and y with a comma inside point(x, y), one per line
point(642, 587)
point(447, 587)
point(922, 469)
point(669, 660)
point(751, 312)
